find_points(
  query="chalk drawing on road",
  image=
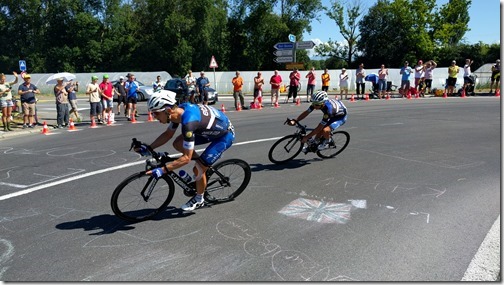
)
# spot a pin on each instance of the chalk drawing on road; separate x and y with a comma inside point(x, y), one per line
point(412, 213)
point(318, 211)
point(288, 265)
point(72, 152)
point(6, 253)
point(44, 178)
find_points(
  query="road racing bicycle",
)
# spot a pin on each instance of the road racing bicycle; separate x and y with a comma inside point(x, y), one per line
point(141, 196)
point(288, 147)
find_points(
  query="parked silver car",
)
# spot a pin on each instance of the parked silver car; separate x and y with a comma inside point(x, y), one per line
point(144, 92)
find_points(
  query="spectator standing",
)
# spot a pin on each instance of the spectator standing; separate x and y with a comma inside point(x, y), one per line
point(310, 87)
point(453, 71)
point(495, 75)
point(258, 84)
point(191, 85)
point(275, 81)
point(120, 91)
point(360, 74)
point(237, 90)
point(107, 97)
point(467, 73)
point(202, 84)
point(158, 84)
point(61, 104)
point(326, 79)
point(419, 72)
point(72, 88)
point(343, 83)
point(93, 90)
point(405, 78)
point(6, 101)
point(429, 70)
point(382, 81)
point(294, 77)
point(131, 87)
point(27, 92)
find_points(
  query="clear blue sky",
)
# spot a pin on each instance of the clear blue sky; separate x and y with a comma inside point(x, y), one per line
point(484, 22)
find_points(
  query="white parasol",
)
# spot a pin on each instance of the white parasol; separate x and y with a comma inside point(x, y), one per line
point(53, 79)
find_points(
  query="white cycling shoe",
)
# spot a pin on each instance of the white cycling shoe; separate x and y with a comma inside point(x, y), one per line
point(192, 204)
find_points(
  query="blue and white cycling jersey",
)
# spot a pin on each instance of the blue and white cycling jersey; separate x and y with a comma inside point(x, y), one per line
point(202, 124)
point(334, 110)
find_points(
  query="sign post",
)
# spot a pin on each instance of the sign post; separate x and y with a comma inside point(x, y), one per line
point(213, 64)
point(22, 65)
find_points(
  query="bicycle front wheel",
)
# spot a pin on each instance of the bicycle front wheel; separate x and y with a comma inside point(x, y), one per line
point(226, 180)
point(140, 197)
point(285, 149)
point(340, 140)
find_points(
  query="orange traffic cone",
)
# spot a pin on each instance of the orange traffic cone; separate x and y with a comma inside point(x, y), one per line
point(352, 99)
point(387, 97)
point(497, 93)
point(463, 95)
point(93, 123)
point(72, 126)
point(133, 118)
point(238, 107)
point(150, 118)
point(444, 95)
point(298, 102)
point(45, 129)
point(408, 95)
point(259, 101)
point(367, 97)
point(223, 109)
point(276, 105)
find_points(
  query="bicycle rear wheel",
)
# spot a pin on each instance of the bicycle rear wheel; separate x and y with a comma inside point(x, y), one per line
point(285, 149)
point(140, 197)
point(226, 180)
point(339, 143)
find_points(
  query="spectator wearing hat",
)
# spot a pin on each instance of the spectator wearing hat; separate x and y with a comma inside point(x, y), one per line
point(453, 71)
point(202, 84)
point(343, 83)
point(121, 95)
point(405, 78)
point(131, 88)
point(93, 90)
point(27, 92)
point(495, 75)
point(429, 71)
point(61, 104)
point(419, 72)
point(107, 96)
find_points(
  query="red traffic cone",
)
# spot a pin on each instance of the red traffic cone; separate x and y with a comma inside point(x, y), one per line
point(72, 126)
point(463, 95)
point(252, 105)
point(238, 107)
point(109, 120)
point(133, 118)
point(93, 123)
point(408, 94)
point(352, 99)
point(497, 93)
point(387, 97)
point(45, 129)
point(150, 118)
point(367, 97)
point(223, 109)
point(298, 102)
point(276, 104)
point(444, 95)
point(259, 101)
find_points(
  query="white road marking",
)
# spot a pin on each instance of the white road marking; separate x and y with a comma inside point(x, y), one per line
point(485, 265)
point(96, 172)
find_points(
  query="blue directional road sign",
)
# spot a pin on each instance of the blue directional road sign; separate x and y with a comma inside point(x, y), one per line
point(22, 65)
point(284, 46)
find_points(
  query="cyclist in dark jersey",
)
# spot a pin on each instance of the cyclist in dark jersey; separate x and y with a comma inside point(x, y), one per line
point(201, 124)
point(335, 115)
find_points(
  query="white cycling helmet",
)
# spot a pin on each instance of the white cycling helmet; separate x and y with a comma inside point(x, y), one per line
point(160, 100)
point(319, 97)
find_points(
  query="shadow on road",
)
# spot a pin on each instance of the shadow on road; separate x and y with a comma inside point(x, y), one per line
point(289, 165)
point(109, 224)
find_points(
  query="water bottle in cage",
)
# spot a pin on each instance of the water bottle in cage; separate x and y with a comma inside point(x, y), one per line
point(185, 176)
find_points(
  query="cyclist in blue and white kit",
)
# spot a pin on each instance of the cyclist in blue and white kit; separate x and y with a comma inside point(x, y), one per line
point(335, 115)
point(200, 124)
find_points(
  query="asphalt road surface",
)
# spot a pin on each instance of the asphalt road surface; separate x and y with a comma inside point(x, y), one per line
point(412, 198)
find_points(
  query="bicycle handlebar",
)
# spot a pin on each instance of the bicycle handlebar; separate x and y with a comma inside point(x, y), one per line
point(137, 144)
point(302, 127)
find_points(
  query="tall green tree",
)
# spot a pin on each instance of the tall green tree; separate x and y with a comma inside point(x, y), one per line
point(347, 23)
point(451, 22)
